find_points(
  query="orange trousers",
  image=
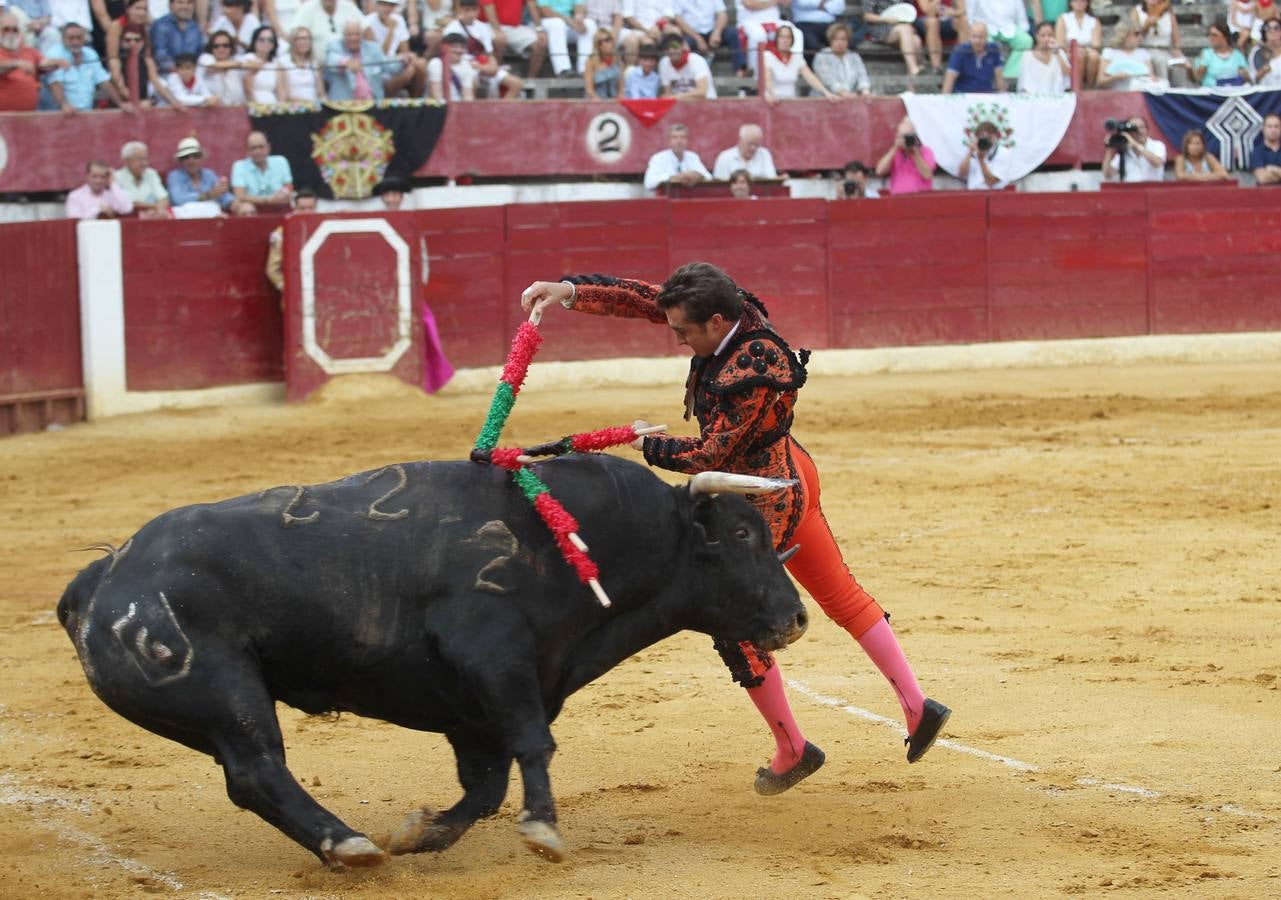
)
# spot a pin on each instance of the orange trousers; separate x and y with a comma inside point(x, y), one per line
point(819, 566)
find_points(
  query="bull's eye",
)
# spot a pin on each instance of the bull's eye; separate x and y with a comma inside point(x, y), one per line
point(741, 534)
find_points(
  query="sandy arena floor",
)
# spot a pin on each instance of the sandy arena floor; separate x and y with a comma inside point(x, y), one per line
point(1083, 563)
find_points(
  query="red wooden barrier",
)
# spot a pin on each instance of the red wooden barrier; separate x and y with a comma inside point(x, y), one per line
point(48, 152)
point(199, 311)
point(41, 381)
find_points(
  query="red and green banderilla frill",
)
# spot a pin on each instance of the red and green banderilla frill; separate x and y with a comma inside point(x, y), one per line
point(563, 525)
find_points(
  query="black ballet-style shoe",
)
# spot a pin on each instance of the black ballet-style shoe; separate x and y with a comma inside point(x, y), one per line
point(932, 721)
point(768, 783)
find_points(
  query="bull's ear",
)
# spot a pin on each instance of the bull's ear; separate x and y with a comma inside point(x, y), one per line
point(701, 518)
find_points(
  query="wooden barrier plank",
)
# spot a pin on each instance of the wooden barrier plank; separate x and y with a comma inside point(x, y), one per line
point(908, 327)
point(39, 308)
point(1032, 323)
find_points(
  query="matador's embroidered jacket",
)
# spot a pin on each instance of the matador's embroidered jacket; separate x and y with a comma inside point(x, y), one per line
point(742, 398)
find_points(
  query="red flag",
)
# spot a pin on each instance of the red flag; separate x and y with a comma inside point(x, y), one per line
point(649, 111)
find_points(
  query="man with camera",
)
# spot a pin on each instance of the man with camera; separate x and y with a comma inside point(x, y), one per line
point(852, 183)
point(1130, 154)
point(908, 165)
point(982, 167)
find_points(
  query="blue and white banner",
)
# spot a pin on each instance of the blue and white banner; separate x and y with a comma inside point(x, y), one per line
point(1230, 117)
point(1031, 126)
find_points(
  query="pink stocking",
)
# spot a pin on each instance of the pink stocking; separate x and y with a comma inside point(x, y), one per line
point(771, 702)
point(880, 644)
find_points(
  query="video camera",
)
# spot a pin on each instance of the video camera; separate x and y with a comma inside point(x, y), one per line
point(910, 140)
point(1117, 130)
point(984, 143)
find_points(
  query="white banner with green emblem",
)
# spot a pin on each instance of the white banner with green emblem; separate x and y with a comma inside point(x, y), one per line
point(1031, 126)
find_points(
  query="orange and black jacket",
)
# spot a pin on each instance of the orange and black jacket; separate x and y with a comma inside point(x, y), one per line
point(741, 397)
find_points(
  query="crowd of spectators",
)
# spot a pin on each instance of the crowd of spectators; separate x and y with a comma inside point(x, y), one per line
point(73, 55)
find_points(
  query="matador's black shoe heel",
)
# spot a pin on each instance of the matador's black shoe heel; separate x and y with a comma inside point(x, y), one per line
point(768, 783)
point(932, 721)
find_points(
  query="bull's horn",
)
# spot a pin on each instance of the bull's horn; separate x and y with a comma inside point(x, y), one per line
point(728, 483)
point(788, 553)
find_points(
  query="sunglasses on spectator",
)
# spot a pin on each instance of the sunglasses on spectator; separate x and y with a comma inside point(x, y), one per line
point(221, 46)
point(8, 29)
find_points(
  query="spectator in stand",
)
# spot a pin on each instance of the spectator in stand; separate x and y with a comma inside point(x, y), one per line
point(388, 30)
point(185, 83)
point(20, 68)
point(64, 12)
point(561, 20)
point(1124, 61)
point(839, 68)
point(129, 60)
point(493, 80)
point(141, 182)
point(814, 18)
point(1155, 21)
point(175, 34)
point(1265, 59)
point(1242, 22)
point(303, 202)
point(705, 26)
point(507, 18)
point(299, 79)
point(939, 21)
point(1220, 63)
point(357, 69)
point(753, 17)
point(196, 192)
point(1047, 11)
point(684, 75)
point(1142, 155)
point(1265, 159)
point(740, 185)
point(239, 22)
point(974, 68)
point(601, 79)
point(647, 20)
point(75, 86)
point(460, 85)
point(1080, 26)
point(746, 154)
point(262, 179)
point(1007, 24)
point(641, 81)
point(908, 166)
point(99, 197)
point(783, 68)
point(983, 167)
point(1046, 69)
point(222, 71)
point(38, 30)
point(325, 19)
point(893, 33)
point(1195, 163)
point(261, 67)
point(392, 192)
point(677, 164)
point(853, 183)
point(427, 20)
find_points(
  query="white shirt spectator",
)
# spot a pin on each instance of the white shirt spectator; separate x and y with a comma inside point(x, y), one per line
point(997, 161)
point(664, 164)
point(399, 34)
point(324, 27)
point(428, 17)
point(785, 74)
point(1036, 77)
point(464, 73)
point(700, 14)
point(685, 79)
point(823, 12)
point(228, 85)
point(1139, 55)
point(300, 81)
point(195, 94)
point(747, 16)
point(1009, 16)
point(481, 32)
point(1137, 168)
point(248, 25)
point(1082, 32)
point(730, 161)
point(648, 12)
point(63, 11)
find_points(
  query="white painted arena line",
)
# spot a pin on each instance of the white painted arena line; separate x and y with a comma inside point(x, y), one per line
point(14, 793)
point(805, 690)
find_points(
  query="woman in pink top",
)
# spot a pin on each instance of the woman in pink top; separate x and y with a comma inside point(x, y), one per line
point(908, 163)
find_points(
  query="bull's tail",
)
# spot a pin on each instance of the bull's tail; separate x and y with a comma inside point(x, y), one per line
point(75, 599)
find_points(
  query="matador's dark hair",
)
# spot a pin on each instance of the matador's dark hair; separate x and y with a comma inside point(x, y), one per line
point(704, 290)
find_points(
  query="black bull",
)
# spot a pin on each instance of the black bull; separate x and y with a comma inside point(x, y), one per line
point(427, 594)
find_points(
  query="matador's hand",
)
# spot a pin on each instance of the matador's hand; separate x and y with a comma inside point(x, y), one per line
point(542, 294)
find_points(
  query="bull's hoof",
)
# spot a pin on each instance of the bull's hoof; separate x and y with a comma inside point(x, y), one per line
point(356, 852)
point(422, 831)
point(543, 839)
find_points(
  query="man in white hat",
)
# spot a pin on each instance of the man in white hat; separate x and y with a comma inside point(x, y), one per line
point(196, 192)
